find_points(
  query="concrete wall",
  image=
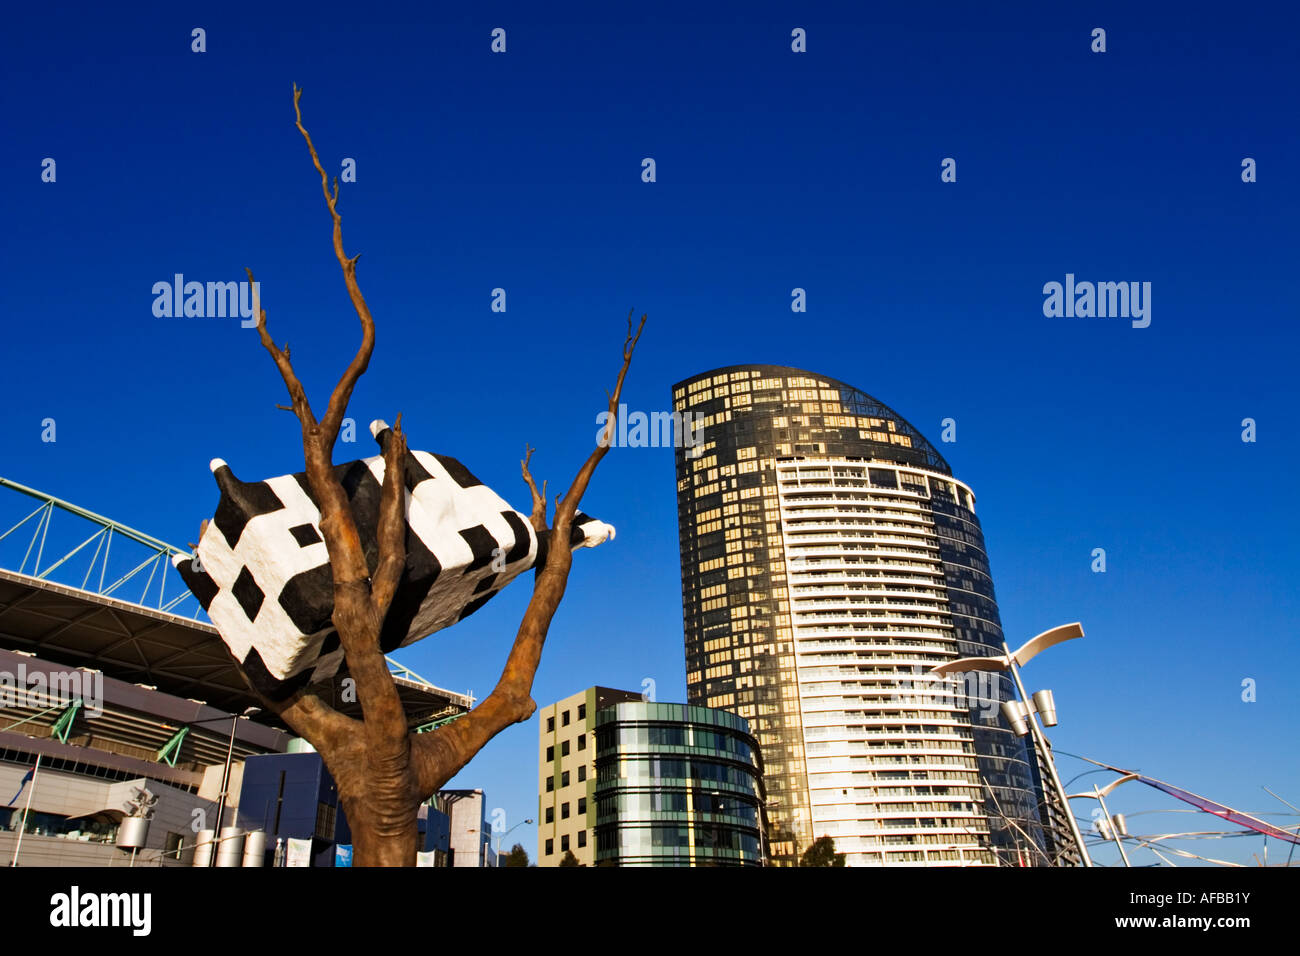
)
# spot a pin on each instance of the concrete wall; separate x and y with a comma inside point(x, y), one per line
point(53, 851)
point(470, 836)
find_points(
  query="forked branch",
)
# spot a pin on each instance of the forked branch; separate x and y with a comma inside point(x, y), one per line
point(360, 603)
point(441, 754)
point(338, 404)
point(538, 517)
point(567, 506)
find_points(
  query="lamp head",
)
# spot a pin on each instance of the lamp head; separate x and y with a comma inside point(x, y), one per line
point(1016, 713)
point(1045, 704)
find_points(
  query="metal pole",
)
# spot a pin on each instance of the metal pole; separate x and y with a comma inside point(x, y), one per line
point(1110, 823)
point(505, 834)
point(225, 782)
point(26, 810)
point(1041, 740)
point(502, 836)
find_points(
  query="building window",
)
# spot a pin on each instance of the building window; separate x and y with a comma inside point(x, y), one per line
point(582, 772)
point(550, 725)
point(564, 748)
point(550, 753)
point(550, 814)
point(564, 811)
point(564, 779)
point(582, 711)
point(582, 741)
point(550, 847)
point(325, 821)
point(564, 843)
point(550, 784)
point(564, 719)
point(582, 838)
point(582, 805)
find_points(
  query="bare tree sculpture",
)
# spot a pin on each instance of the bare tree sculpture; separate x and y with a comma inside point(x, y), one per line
point(384, 771)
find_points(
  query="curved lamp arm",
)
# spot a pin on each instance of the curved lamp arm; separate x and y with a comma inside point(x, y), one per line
point(1025, 653)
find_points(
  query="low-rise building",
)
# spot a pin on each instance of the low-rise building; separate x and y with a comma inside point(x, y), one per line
point(471, 837)
point(566, 820)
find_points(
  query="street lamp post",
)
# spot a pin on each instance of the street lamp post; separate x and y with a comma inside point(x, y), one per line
point(225, 775)
point(1025, 713)
point(504, 834)
point(1113, 824)
point(1040, 741)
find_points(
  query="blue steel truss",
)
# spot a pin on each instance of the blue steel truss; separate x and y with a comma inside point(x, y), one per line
point(148, 559)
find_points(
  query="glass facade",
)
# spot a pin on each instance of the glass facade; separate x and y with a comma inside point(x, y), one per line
point(676, 786)
point(829, 558)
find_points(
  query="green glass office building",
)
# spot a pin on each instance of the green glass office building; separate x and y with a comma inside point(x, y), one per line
point(676, 785)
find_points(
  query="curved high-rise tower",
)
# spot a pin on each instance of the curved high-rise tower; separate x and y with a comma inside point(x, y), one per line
point(829, 559)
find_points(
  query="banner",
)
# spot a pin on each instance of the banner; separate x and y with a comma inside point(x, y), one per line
point(298, 853)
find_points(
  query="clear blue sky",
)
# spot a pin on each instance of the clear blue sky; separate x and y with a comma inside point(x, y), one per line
point(775, 170)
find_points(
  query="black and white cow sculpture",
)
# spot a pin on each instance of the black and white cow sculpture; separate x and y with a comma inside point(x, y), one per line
point(263, 572)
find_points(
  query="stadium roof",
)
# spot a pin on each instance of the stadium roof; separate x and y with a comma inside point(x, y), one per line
point(142, 645)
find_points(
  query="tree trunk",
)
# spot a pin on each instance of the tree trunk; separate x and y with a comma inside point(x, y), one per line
point(384, 833)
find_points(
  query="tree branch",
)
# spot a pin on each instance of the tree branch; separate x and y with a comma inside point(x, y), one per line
point(538, 517)
point(314, 720)
point(567, 507)
point(356, 368)
point(391, 532)
point(438, 755)
point(357, 615)
point(309, 716)
point(301, 407)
